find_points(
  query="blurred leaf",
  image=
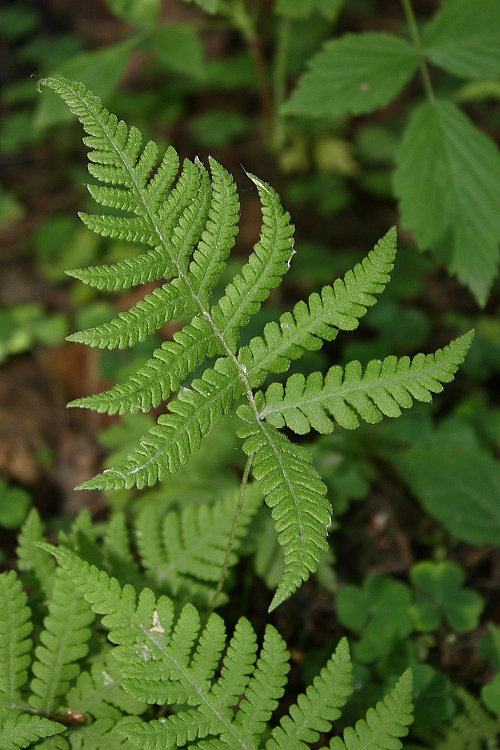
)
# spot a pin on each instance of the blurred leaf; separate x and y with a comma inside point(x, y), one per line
point(476, 91)
point(464, 38)
point(439, 595)
point(491, 694)
point(61, 243)
point(18, 21)
point(433, 695)
point(215, 128)
point(448, 182)
point(380, 612)
point(460, 487)
point(10, 208)
point(14, 505)
point(376, 144)
point(47, 51)
point(209, 6)
point(100, 70)
point(328, 193)
point(489, 645)
point(356, 73)
point(178, 48)
point(140, 12)
point(122, 436)
point(303, 8)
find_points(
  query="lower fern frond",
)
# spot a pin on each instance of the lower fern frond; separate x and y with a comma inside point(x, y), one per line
point(18, 730)
point(293, 489)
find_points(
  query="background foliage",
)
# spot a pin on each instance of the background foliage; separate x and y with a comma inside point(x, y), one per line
point(412, 576)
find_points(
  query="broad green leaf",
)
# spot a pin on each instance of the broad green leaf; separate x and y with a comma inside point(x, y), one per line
point(178, 48)
point(433, 695)
point(491, 694)
point(439, 595)
point(380, 612)
point(356, 73)
point(140, 12)
point(460, 487)
point(448, 182)
point(464, 38)
point(101, 70)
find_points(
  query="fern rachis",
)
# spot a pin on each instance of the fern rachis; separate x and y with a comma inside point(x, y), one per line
point(190, 229)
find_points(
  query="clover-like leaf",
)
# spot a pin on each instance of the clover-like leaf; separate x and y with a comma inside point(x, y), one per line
point(439, 596)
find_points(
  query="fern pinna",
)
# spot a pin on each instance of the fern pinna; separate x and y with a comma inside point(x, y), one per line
point(212, 692)
point(189, 226)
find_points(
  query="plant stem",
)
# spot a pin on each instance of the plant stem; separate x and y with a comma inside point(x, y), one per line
point(232, 538)
point(279, 81)
point(415, 35)
point(243, 21)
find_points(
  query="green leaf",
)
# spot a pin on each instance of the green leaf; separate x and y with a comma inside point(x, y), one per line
point(433, 696)
point(490, 694)
point(209, 6)
point(458, 486)
point(380, 612)
point(22, 730)
point(464, 38)
point(140, 12)
point(439, 595)
point(448, 182)
point(15, 628)
point(101, 70)
point(14, 504)
point(178, 48)
point(356, 73)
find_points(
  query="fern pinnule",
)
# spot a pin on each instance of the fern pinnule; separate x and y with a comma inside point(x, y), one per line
point(318, 707)
point(383, 724)
point(15, 643)
point(347, 393)
point(63, 644)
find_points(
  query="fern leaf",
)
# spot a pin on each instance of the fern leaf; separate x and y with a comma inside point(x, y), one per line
point(161, 376)
point(318, 707)
point(178, 434)
point(15, 628)
point(63, 643)
point(382, 390)
point(118, 556)
point(383, 724)
point(266, 686)
point(266, 266)
point(293, 489)
point(472, 729)
point(22, 730)
point(36, 564)
point(338, 307)
point(99, 693)
point(219, 233)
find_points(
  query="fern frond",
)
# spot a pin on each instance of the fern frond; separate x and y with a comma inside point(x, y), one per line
point(318, 707)
point(266, 266)
point(162, 375)
point(349, 394)
point(63, 643)
point(293, 489)
point(118, 556)
point(15, 628)
point(38, 567)
point(383, 724)
point(184, 554)
point(22, 730)
point(99, 693)
point(338, 307)
point(472, 729)
point(178, 434)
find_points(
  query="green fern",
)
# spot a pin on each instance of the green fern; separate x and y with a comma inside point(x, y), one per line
point(472, 729)
point(189, 228)
point(220, 694)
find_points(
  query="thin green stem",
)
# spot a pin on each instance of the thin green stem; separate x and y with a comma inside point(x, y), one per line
point(232, 538)
point(279, 81)
point(415, 35)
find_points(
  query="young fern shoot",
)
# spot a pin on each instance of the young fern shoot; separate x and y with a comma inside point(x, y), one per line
point(188, 228)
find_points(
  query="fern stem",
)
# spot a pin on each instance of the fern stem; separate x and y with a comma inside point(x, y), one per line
point(279, 81)
point(232, 538)
point(415, 35)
